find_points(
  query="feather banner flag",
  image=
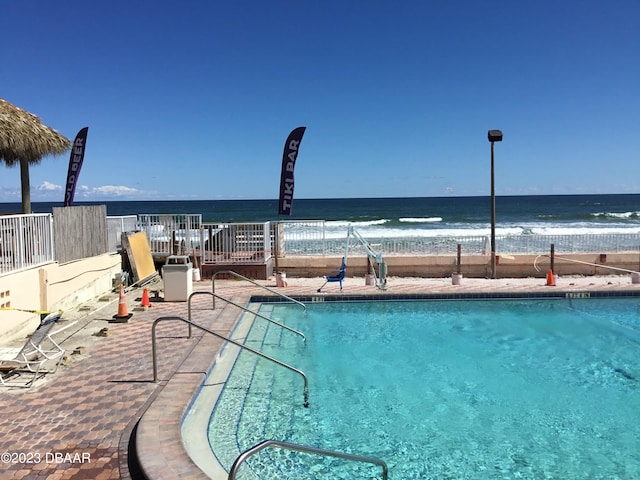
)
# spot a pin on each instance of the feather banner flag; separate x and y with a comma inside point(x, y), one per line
point(75, 164)
point(289, 157)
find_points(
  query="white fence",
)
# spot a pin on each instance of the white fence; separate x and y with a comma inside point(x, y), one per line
point(172, 234)
point(25, 241)
point(234, 243)
point(213, 243)
point(305, 238)
point(310, 238)
point(116, 226)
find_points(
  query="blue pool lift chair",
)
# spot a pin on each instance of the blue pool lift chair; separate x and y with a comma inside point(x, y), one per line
point(336, 275)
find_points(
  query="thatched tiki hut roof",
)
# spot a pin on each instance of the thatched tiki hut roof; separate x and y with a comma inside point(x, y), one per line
point(24, 139)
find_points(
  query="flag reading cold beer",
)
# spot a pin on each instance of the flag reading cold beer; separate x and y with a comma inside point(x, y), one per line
point(289, 156)
point(75, 163)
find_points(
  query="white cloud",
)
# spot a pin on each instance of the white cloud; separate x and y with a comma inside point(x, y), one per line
point(50, 192)
point(114, 190)
point(48, 187)
point(110, 191)
point(9, 194)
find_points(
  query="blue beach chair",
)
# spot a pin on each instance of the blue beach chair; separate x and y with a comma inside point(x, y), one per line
point(338, 275)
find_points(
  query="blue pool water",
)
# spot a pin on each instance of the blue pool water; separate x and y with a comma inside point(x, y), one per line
point(485, 389)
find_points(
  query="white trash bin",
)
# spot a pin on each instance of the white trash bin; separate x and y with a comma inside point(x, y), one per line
point(178, 278)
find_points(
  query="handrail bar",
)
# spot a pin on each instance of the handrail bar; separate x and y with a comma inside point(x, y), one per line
point(213, 286)
point(260, 354)
point(264, 317)
point(535, 264)
point(302, 448)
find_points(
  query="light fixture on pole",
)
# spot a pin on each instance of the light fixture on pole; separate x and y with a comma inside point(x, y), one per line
point(494, 136)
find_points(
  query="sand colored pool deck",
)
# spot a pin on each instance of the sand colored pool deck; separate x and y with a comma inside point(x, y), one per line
point(76, 423)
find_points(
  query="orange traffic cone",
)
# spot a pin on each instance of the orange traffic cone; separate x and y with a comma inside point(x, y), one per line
point(122, 316)
point(145, 299)
point(551, 282)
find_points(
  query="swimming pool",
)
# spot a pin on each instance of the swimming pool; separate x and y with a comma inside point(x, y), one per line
point(441, 389)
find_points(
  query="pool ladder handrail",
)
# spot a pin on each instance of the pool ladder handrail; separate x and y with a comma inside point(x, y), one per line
point(264, 317)
point(303, 448)
point(242, 277)
point(260, 354)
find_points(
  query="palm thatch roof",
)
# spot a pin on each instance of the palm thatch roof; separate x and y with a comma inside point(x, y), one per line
point(24, 137)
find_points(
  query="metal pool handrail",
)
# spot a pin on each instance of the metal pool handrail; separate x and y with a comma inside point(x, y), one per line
point(260, 354)
point(275, 292)
point(302, 448)
point(215, 295)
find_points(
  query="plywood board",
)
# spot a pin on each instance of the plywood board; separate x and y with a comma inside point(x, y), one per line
point(139, 253)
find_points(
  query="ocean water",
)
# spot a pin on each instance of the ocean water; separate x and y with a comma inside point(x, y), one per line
point(413, 217)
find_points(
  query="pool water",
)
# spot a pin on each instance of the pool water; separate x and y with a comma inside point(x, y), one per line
point(479, 389)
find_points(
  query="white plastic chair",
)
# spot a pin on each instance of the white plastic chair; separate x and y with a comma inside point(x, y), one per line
point(38, 350)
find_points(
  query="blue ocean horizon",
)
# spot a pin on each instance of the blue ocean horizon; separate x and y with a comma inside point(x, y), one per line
point(411, 216)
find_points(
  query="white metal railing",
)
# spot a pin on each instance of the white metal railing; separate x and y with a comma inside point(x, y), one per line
point(116, 226)
point(305, 392)
point(583, 243)
point(25, 241)
point(171, 234)
point(233, 472)
point(303, 237)
point(246, 279)
point(310, 238)
point(236, 243)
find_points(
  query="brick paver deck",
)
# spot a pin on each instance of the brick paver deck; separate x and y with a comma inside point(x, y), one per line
point(76, 423)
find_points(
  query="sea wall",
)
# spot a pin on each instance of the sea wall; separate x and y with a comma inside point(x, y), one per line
point(51, 287)
point(472, 266)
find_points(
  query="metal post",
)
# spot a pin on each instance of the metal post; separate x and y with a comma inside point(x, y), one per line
point(494, 136)
point(277, 246)
point(553, 257)
point(493, 216)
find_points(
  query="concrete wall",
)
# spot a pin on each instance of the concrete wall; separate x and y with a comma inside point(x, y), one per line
point(472, 266)
point(52, 287)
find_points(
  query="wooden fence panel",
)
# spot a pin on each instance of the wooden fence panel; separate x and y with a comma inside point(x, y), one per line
point(80, 232)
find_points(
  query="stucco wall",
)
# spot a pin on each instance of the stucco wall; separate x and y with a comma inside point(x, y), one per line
point(51, 287)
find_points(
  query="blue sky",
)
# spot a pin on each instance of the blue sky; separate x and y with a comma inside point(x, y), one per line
point(194, 99)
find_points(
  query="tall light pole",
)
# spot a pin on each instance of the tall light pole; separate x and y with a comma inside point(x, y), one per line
point(494, 136)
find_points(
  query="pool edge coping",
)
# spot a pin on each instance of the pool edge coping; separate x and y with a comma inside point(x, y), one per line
point(161, 453)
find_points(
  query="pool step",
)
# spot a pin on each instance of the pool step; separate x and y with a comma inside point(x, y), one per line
point(249, 391)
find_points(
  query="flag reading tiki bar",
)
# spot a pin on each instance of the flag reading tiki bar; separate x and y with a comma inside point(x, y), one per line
point(289, 156)
point(75, 163)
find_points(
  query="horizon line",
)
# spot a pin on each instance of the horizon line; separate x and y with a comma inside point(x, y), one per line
point(319, 198)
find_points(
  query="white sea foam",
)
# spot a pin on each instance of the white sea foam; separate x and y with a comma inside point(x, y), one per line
point(586, 230)
point(421, 220)
point(339, 230)
point(623, 215)
point(345, 224)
